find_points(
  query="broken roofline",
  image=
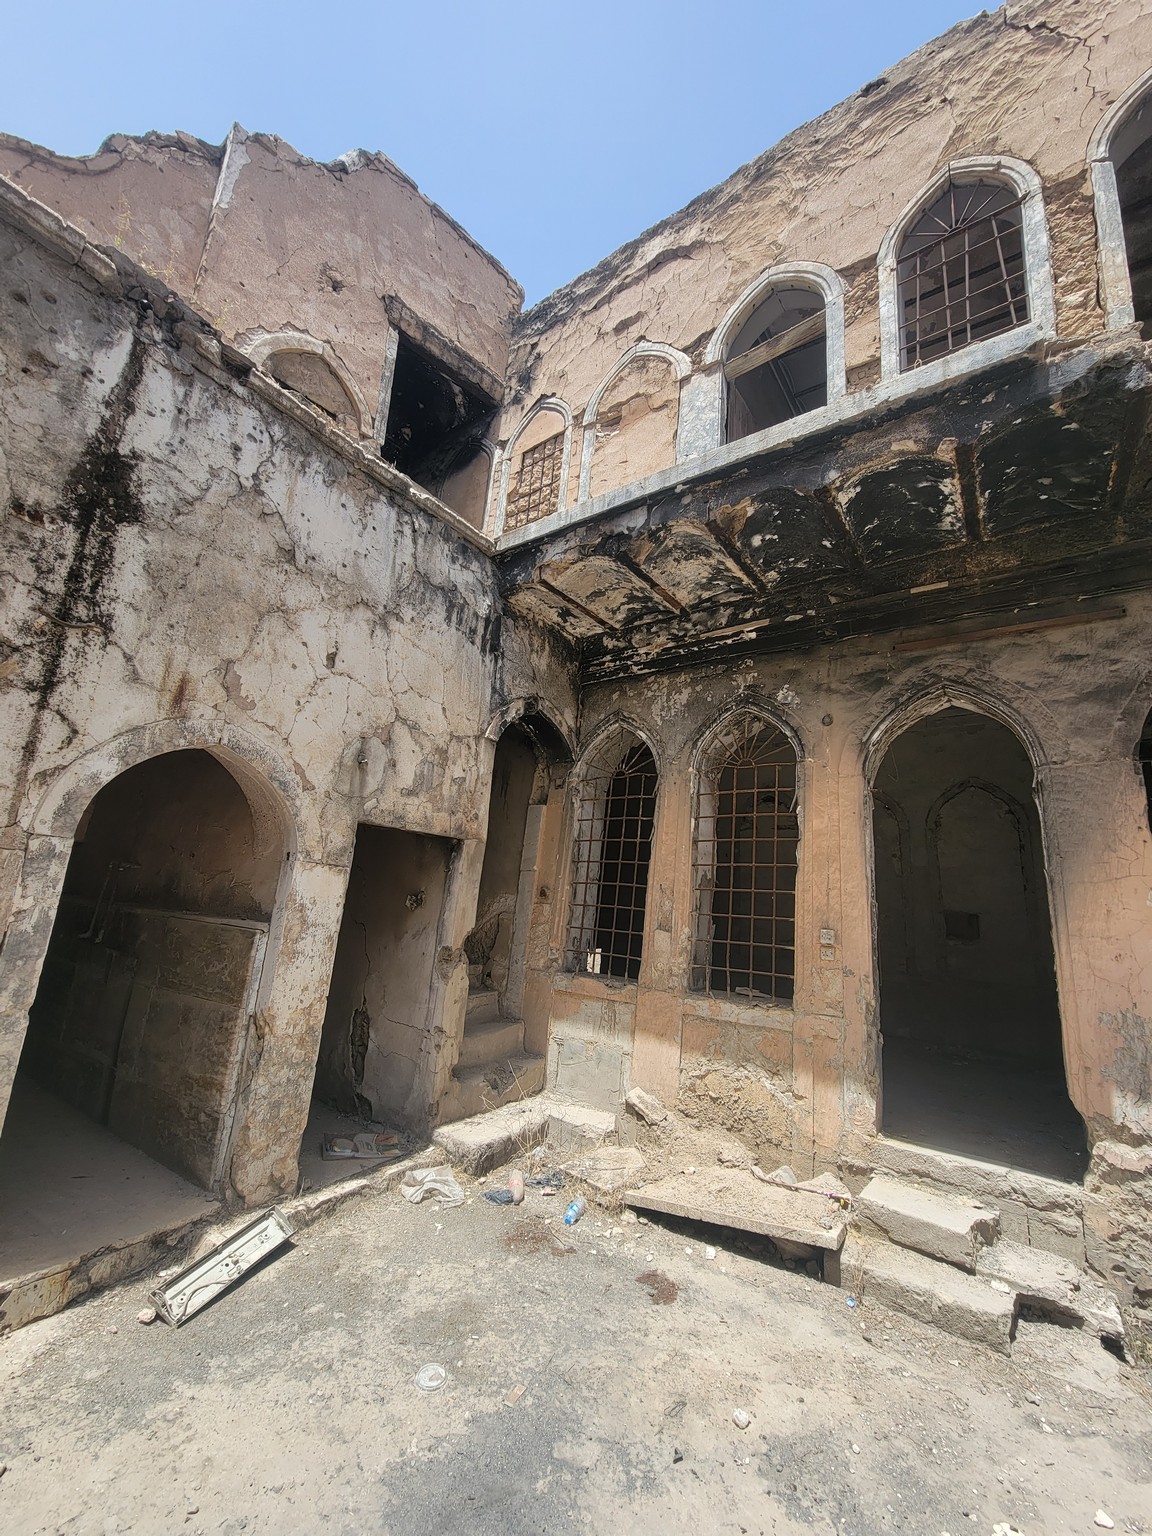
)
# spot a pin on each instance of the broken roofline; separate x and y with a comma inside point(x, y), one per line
point(347, 164)
point(201, 343)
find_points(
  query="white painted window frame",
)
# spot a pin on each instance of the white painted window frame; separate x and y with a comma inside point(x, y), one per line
point(1041, 322)
point(681, 366)
point(1111, 246)
point(713, 392)
point(502, 470)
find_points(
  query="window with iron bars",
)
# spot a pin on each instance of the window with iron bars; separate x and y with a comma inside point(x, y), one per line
point(961, 271)
point(535, 491)
point(611, 853)
point(747, 835)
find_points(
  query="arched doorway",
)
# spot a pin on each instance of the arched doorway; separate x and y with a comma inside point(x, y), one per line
point(972, 1059)
point(137, 1034)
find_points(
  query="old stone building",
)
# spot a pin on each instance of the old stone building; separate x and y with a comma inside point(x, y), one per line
point(729, 677)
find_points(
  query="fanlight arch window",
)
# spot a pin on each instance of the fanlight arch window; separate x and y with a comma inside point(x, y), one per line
point(612, 850)
point(1144, 762)
point(747, 838)
point(777, 363)
point(961, 271)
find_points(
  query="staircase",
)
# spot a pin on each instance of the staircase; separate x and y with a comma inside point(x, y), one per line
point(493, 1067)
point(944, 1259)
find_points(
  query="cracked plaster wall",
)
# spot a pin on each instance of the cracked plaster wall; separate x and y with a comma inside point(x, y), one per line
point(801, 1083)
point(1029, 80)
point(264, 240)
point(186, 564)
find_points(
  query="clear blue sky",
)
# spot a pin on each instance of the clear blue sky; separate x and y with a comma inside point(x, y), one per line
point(552, 132)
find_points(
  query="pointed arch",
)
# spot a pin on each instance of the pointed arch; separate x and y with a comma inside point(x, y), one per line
point(615, 787)
point(725, 353)
point(551, 495)
point(746, 839)
point(657, 350)
point(1123, 130)
point(1031, 290)
point(266, 349)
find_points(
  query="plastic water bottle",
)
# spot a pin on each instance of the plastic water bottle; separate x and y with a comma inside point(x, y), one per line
point(574, 1212)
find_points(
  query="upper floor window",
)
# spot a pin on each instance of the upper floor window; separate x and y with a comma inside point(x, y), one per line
point(535, 490)
point(961, 273)
point(1132, 158)
point(777, 364)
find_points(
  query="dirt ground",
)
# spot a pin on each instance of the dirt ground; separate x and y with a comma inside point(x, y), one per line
point(290, 1406)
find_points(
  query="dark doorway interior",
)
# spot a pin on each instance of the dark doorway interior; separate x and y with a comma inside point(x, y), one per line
point(972, 1057)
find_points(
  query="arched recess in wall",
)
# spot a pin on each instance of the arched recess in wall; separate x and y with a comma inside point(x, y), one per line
point(534, 466)
point(1144, 764)
point(614, 791)
point(966, 269)
point(467, 482)
point(168, 912)
point(779, 350)
point(632, 420)
point(312, 369)
point(972, 1055)
point(1120, 155)
point(746, 841)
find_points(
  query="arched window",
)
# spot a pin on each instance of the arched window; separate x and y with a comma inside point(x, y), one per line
point(612, 849)
point(961, 273)
point(747, 836)
point(777, 363)
point(1131, 150)
point(535, 474)
point(1144, 759)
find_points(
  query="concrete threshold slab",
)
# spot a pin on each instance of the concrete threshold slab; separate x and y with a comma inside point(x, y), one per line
point(733, 1197)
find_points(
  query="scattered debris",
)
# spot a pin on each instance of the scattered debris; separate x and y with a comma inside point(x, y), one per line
point(365, 1146)
point(431, 1377)
point(420, 1183)
point(1104, 1520)
point(193, 1288)
point(547, 1183)
point(514, 1396)
point(741, 1418)
point(516, 1187)
point(782, 1176)
point(574, 1212)
point(646, 1106)
point(500, 1196)
point(674, 1410)
point(677, 1455)
point(146, 1315)
point(709, 1252)
point(607, 1168)
point(661, 1288)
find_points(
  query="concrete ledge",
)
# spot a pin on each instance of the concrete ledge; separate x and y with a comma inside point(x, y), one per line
point(483, 1142)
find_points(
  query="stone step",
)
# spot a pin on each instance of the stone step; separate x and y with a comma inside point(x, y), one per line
point(489, 1044)
point(1055, 1287)
point(1034, 1210)
point(485, 1141)
point(939, 1226)
point(967, 1306)
point(483, 1008)
point(472, 1090)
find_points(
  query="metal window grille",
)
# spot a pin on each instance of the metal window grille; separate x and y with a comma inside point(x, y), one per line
point(612, 851)
point(747, 835)
point(961, 272)
point(536, 490)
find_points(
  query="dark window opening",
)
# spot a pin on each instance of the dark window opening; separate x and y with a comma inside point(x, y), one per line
point(777, 365)
point(613, 848)
point(535, 489)
point(747, 836)
point(1144, 758)
point(962, 927)
point(431, 414)
point(1133, 162)
point(961, 272)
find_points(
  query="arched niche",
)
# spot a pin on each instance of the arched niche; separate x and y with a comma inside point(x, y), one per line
point(534, 467)
point(632, 420)
point(1121, 159)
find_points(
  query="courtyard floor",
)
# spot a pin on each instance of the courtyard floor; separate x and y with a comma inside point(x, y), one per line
point(290, 1405)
